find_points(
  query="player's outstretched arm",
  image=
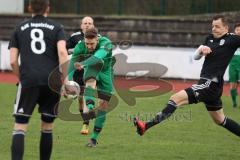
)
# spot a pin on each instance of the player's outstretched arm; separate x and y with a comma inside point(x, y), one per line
point(201, 51)
point(198, 54)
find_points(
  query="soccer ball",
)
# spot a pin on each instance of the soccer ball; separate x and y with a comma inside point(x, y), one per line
point(74, 90)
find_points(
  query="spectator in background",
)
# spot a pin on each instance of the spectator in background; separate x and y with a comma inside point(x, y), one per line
point(86, 23)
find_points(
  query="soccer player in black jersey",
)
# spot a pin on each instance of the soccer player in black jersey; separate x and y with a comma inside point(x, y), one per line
point(40, 44)
point(218, 49)
point(86, 23)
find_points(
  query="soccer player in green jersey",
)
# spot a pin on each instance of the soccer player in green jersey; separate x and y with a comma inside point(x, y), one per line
point(234, 70)
point(97, 74)
point(77, 37)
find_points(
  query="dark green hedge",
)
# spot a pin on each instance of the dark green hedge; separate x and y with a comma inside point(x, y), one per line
point(141, 7)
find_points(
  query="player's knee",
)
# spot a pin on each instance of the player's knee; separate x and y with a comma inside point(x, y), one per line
point(20, 127)
point(21, 119)
point(175, 98)
point(103, 105)
point(90, 81)
point(218, 120)
point(46, 126)
point(47, 119)
point(180, 98)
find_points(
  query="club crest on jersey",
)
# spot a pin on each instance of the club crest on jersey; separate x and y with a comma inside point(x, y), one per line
point(211, 41)
point(222, 41)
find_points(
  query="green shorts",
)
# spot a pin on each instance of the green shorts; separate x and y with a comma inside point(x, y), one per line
point(234, 73)
point(104, 80)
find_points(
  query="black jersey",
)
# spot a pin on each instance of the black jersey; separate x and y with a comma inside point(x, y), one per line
point(223, 49)
point(74, 39)
point(36, 40)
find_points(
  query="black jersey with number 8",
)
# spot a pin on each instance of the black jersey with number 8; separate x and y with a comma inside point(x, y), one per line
point(36, 39)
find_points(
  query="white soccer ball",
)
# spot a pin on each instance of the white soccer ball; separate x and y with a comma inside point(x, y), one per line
point(71, 90)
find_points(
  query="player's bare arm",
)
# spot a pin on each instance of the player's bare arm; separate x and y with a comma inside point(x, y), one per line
point(201, 51)
point(14, 54)
point(63, 57)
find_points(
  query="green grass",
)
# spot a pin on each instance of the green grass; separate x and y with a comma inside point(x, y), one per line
point(189, 134)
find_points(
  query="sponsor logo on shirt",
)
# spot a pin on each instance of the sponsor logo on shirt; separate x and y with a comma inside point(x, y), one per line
point(222, 41)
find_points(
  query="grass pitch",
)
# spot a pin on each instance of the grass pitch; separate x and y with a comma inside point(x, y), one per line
point(188, 134)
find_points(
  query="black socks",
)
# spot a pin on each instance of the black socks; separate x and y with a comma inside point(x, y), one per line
point(164, 114)
point(17, 148)
point(46, 144)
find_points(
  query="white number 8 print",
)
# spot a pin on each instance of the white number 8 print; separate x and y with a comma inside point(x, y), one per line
point(37, 39)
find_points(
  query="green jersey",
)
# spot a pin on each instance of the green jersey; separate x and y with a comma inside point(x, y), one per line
point(235, 61)
point(102, 53)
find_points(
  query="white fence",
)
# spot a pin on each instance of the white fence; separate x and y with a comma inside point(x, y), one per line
point(4, 56)
point(11, 6)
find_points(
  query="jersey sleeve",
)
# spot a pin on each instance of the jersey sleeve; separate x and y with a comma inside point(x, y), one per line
point(74, 39)
point(104, 49)
point(61, 34)
point(13, 43)
point(206, 40)
point(78, 50)
point(235, 41)
point(70, 43)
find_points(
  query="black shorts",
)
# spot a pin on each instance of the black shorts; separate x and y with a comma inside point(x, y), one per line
point(28, 97)
point(208, 92)
point(78, 77)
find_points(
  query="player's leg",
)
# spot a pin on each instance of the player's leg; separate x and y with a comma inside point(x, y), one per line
point(78, 77)
point(233, 93)
point(89, 94)
point(48, 101)
point(24, 105)
point(18, 136)
point(90, 80)
point(46, 138)
point(220, 119)
point(85, 127)
point(233, 78)
point(196, 93)
point(99, 123)
point(174, 102)
point(105, 88)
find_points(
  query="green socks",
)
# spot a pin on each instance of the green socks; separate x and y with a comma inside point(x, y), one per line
point(99, 123)
point(89, 97)
point(234, 97)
